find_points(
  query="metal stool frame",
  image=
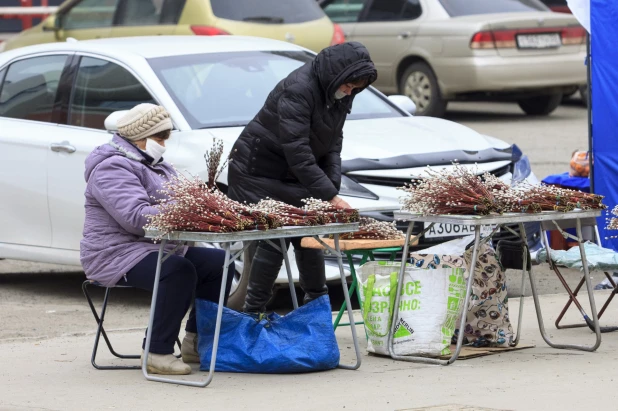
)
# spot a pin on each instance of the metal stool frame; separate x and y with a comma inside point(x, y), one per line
point(101, 330)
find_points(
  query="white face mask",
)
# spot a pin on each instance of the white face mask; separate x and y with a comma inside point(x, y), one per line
point(154, 150)
point(339, 95)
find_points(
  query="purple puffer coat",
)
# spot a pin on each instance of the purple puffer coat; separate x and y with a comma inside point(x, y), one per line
point(119, 191)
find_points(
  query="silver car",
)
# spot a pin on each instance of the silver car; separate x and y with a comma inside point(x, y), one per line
point(436, 51)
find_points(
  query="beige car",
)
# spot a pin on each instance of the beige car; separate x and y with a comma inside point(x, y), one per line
point(301, 22)
point(436, 51)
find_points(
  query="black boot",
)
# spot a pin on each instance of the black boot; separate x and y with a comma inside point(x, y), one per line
point(264, 271)
point(312, 272)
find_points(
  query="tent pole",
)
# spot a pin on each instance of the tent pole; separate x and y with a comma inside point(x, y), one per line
point(589, 105)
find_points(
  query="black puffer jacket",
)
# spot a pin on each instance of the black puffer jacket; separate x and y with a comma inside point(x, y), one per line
point(291, 149)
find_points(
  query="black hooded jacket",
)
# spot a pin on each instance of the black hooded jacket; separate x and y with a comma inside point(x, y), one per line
point(291, 149)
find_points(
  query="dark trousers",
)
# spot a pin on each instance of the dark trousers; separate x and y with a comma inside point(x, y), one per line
point(265, 266)
point(196, 275)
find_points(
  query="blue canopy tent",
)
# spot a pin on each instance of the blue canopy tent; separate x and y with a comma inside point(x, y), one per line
point(600, 18)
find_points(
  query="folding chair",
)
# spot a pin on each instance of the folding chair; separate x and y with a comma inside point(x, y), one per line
point(101, 331)
point(367, 254)
point(573, 293)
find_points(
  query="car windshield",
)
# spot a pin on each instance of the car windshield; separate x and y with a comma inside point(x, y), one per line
point(456, 8)
point(267, 11)
point(228, 89)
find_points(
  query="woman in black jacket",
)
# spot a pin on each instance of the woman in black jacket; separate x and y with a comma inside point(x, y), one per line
point(291, 151)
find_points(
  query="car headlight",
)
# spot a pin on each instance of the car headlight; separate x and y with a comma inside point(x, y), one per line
point(351, 188)
point(521, 170)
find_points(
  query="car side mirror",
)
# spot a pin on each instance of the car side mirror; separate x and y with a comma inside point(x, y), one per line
point(111, 122)
point(52, 23)
point(403, 102)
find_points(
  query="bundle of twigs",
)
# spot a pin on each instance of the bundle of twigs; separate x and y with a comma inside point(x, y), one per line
point(454, 191)
point(188, 205)
point(372, 229)
point(461, 191)
point(535, 199)
point(315, 212)
point(613, 221)
point(213, 162)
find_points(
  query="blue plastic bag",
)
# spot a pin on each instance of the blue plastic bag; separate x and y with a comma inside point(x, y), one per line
point(301, 341)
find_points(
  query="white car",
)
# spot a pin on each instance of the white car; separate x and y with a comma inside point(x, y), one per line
point(55, 98)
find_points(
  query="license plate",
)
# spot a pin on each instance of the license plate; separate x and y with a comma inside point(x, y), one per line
point(455, 230)
point(539, 41)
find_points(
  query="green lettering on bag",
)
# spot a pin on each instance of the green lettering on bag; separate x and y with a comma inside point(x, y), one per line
point(411, 288)
point(374, 307)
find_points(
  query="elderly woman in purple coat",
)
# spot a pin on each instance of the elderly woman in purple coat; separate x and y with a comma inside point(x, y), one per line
point(122, 178)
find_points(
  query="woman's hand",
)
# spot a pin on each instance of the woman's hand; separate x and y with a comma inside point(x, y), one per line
point(339, 203)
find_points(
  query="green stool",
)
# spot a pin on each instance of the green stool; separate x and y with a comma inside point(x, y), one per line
point(354, 288)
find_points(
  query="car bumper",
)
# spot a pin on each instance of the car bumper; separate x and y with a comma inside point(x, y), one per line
point(509, 74)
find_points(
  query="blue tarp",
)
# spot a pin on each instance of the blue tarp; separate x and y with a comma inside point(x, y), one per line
point(604, 88)
point(564, 180)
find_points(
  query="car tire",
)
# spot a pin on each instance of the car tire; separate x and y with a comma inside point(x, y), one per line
point(583, 91)
point(238, 292)
point(569, 94)
point(540, 105)
point(421, 84)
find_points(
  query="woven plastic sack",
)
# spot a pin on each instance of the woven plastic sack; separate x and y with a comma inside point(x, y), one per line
point(430, 304)
point(487, 320)
point(301, 341)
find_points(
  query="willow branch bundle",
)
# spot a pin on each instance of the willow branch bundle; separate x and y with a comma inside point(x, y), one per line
point(455, 191)
point(315, 212)
point(613, 222)
point(461, 191)
point(186, 204)
point(527, 198)
point(213, 162)
point(372, 229)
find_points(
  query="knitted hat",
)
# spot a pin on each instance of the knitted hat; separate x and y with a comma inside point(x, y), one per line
point(143, 121)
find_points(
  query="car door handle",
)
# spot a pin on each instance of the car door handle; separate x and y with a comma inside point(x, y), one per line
point(404, 35)
point(65, 146)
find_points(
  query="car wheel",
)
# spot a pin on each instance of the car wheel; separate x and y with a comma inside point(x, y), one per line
point(568, 94)
point(583, 91)
point(241, 278)
point(420, 84)
point(540, 105)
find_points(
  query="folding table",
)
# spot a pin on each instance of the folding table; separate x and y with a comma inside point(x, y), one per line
point(571, 219)
point(271, 236)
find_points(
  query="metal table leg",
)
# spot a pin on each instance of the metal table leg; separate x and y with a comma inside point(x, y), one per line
point(346, 294)
point(213, 357)
point(593, 308)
